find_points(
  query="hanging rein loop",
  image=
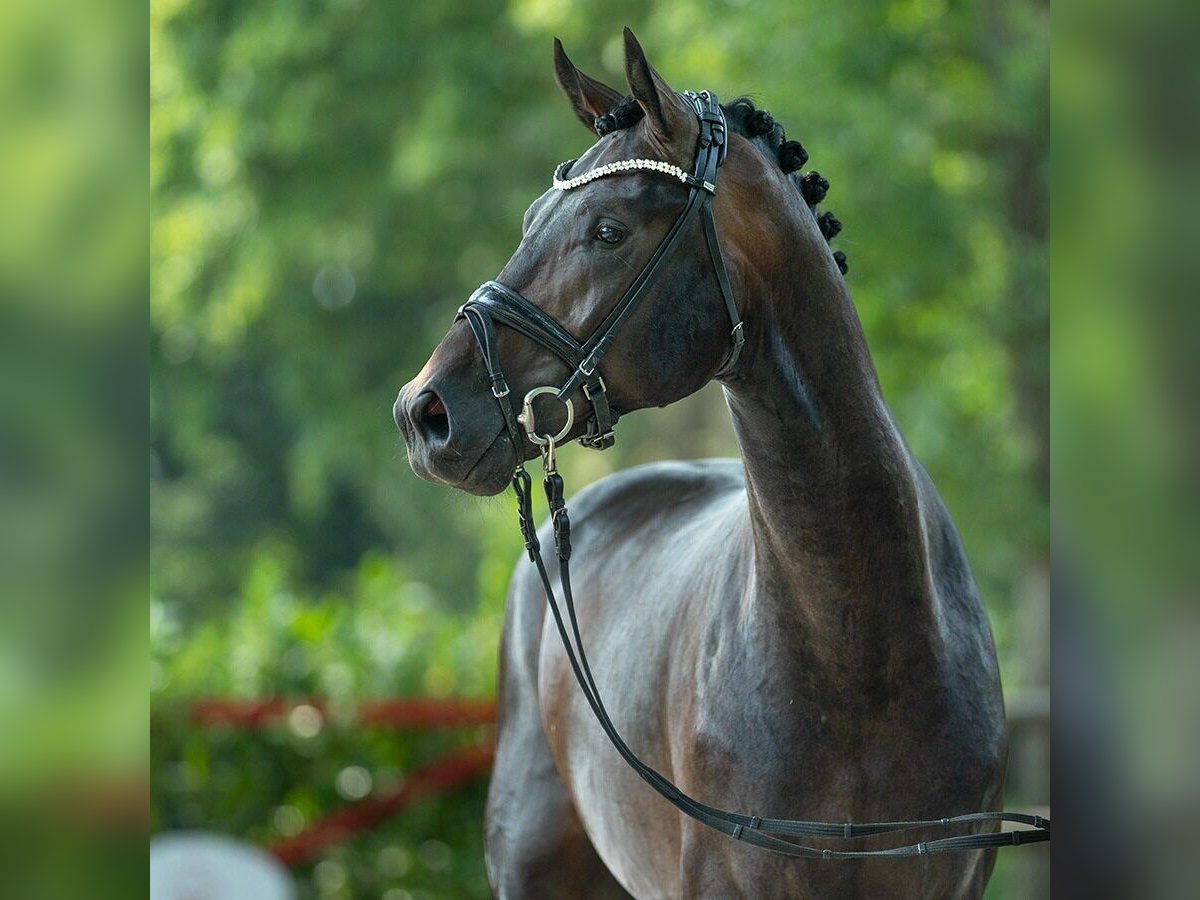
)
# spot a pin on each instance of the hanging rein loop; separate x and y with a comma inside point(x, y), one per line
point(767, 833)
point(495, 301)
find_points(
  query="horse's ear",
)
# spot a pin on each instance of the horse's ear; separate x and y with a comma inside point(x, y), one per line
point(663, 108)
point(589, 97)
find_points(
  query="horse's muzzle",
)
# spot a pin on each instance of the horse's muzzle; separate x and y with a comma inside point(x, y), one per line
point(453, 442)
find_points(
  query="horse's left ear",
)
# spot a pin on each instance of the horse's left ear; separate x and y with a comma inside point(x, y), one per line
point(589, 98)
point(664, 110)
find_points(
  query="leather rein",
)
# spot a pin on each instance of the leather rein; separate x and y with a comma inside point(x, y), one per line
point(495, 302)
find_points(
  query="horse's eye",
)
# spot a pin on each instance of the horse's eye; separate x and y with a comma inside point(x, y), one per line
point(610, 234)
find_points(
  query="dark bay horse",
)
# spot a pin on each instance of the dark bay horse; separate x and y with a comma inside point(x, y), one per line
point(795, 634)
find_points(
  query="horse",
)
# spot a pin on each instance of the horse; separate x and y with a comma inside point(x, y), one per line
point(797, 631)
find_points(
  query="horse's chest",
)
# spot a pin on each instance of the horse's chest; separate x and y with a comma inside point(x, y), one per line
point(729, 735)
point(764, 749)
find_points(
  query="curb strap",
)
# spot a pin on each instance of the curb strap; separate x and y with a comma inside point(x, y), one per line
point(750, 829)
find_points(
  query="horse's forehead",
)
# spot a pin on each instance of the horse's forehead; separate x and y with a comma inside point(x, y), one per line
point(549, 211)
point(629, 144)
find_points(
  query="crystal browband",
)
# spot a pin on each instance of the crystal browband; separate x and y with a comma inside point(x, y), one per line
point(621, 166)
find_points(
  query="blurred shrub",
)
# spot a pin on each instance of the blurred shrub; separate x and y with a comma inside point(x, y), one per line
point(324, 198)
point(384, 636)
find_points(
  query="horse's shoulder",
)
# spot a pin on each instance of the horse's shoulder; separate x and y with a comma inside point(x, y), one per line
point(635, 503)
point(661, 485)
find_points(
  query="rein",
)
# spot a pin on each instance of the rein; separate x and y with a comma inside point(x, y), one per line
point(496, 302)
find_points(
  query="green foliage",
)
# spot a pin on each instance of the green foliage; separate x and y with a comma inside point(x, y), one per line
point(384, 636)
point(329, 181)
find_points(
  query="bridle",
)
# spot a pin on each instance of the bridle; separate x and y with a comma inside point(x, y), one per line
point(495, 302)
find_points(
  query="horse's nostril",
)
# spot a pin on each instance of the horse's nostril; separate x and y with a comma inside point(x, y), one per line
point(430, 418)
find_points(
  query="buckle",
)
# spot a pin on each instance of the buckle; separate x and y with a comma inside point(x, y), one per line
point(593, 440)
point(603, 388)
point(599, 441)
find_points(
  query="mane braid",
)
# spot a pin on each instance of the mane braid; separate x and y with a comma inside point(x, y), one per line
point(760, 128)
point(626, 113)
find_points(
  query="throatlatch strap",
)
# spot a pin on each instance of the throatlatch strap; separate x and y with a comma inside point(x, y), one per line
point(714, 250)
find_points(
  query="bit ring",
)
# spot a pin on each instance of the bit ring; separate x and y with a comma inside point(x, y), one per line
point(526, 418)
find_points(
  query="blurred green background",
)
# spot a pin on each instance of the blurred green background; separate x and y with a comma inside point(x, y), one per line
point(325, 191)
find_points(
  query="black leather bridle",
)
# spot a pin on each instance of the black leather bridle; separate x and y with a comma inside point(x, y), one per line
point(496, 302)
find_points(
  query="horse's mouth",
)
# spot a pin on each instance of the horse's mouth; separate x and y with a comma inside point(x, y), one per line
point(489, 474)
point(484, 476)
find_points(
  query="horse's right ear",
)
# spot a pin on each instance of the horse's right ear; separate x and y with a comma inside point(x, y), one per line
point(589, 97)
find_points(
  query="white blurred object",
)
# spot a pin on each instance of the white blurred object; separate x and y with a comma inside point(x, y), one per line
point(198, 865)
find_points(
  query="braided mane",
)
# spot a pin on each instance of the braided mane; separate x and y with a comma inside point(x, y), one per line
point(758, 126)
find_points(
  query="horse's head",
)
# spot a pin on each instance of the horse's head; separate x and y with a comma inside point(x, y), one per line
point(585, 243)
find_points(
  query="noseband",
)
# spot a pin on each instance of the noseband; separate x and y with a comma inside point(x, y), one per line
point(497, 302)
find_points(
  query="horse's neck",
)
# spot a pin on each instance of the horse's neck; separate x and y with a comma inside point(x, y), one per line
point(834, 497)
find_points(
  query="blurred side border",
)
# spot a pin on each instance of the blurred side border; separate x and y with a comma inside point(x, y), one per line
point(1126, 374)
point(74, 794)
point(72, 447)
